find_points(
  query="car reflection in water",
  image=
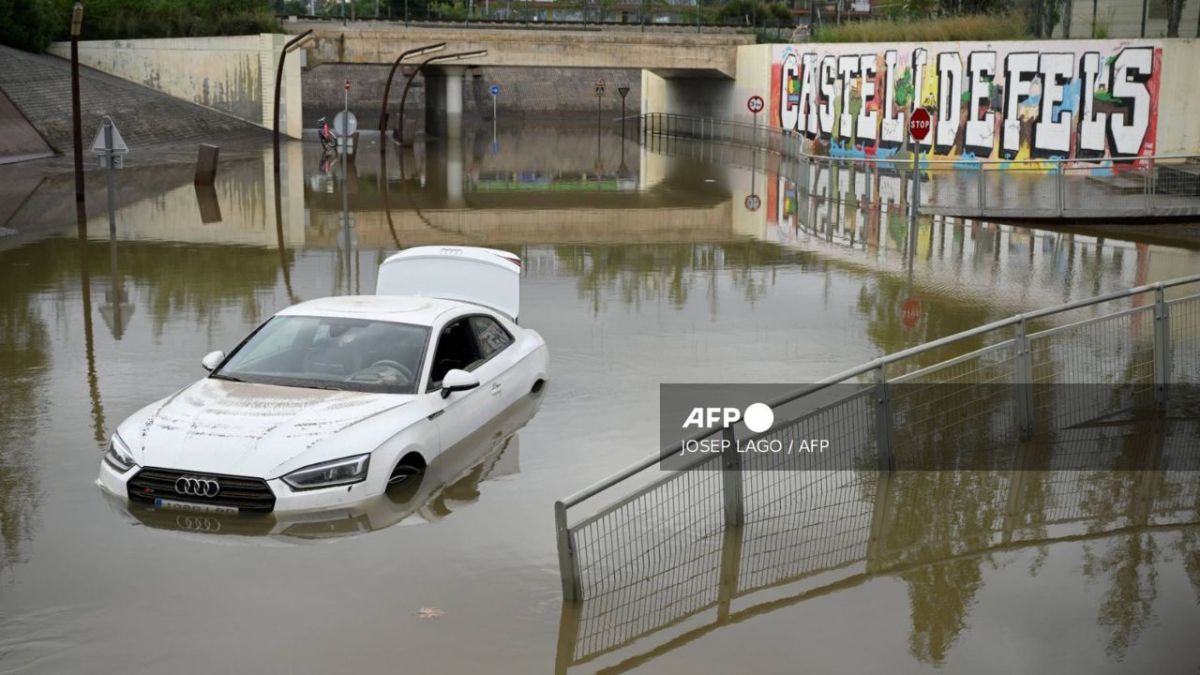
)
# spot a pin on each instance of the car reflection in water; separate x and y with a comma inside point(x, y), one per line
point(449, 482)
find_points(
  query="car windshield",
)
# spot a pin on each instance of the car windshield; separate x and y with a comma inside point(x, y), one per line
point(331, 353)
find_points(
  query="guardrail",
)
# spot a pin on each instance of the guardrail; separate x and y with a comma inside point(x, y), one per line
point(1130, 357)
point(520, 19)
point(1164, 185)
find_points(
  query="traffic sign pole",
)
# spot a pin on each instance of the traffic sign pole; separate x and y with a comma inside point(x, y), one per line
point(346, 116)
point(755, 105)
point(111, 177)
point(918, 126)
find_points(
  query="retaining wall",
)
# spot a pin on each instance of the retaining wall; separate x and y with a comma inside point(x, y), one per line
point(1091, 100)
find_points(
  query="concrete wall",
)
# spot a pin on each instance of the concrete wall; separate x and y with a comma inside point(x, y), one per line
point(233, 75)
point(1091, 100)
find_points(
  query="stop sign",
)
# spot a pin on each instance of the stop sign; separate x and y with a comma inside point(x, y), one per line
point(918, 125)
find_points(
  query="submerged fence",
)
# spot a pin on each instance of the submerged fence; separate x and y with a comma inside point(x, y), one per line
point(833, 530)
point(1160, 185)
point(1035, 377)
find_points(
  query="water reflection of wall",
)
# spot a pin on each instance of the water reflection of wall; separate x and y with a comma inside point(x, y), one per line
point(844, 210)
point(24, 362)
point(245, 196)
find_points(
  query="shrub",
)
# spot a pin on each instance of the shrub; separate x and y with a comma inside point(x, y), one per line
point(1010, 26)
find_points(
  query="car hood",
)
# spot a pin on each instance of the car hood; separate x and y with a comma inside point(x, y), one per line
point(244, 429)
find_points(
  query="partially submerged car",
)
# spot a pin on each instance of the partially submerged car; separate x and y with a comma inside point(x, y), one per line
point(450, 483)
point(330, 401)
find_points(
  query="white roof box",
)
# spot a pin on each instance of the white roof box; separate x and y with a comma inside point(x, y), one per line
point(483, 276)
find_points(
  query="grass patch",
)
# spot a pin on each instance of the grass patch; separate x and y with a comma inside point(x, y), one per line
point(985, 27)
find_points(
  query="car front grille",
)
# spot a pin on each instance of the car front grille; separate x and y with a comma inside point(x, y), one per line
point(249, 495)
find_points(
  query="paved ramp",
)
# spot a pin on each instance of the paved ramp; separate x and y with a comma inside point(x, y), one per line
point(19, 141)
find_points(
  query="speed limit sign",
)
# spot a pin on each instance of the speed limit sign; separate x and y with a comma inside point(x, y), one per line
point(755, 104)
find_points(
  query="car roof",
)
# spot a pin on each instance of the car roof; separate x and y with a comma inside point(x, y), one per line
point(411, 309)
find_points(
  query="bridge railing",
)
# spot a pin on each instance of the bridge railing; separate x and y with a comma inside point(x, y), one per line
point(968, 400)
point(1156, 185)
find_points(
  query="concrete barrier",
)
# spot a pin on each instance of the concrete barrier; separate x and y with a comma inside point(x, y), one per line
point(234, 75)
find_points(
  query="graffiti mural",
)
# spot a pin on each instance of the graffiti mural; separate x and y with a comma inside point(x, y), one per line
point(1094, 101)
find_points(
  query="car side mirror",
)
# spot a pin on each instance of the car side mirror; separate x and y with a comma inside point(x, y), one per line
point(212, 360)
point(458, 380)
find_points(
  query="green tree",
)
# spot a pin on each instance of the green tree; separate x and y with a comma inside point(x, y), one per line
point(31, 24)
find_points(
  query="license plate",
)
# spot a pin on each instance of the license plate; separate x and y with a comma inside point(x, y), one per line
point(192, 506)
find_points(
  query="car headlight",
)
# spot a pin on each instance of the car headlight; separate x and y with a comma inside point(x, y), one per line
point(328, 474)
point(117, 455)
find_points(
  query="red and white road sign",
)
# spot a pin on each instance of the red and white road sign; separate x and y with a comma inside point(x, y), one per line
point(918, 125)
point(755, 104)
point(347, 85)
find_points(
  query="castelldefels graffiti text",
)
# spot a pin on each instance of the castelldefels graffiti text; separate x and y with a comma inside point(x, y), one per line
point(1093, 101)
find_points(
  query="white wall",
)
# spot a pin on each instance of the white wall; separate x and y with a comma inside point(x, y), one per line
point(234, 75)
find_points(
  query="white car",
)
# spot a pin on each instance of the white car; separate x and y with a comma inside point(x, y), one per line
point(331, 400)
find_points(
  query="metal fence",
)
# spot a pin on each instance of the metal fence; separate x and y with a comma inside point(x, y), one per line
point(1160, 185)
point(817, 532)
point(1027, 378)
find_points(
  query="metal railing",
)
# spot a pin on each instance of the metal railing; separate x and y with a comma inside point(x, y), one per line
point(1013, 377)
point(1156, 185)
point(833, 530)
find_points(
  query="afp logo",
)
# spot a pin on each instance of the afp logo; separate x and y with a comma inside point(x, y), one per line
point(758, 417)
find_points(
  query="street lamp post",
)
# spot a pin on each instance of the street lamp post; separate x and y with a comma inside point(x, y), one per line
point(623, 91)
point(291, 45)
point(433, 59)
point(76, 122)
point(387, 88)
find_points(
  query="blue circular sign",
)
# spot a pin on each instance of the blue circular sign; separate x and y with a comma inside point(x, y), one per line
point(495, 90)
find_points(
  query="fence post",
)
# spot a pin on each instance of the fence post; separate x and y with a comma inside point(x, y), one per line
point(1148, 191)
point(883, 421)
point(1059, 199)
point(731, 480)
point(1023, 381)
point(982, 189)
point(1162, 346)
point(568, 566)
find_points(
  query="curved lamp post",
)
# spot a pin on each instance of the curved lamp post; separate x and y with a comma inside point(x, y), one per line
point(290, 46)
point(433, 59)
point(387, 88)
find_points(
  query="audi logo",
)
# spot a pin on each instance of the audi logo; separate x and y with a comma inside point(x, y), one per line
point(198, 524)
point(197, 487)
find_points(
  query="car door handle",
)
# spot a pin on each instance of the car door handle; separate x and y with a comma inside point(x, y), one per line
point(495, 388)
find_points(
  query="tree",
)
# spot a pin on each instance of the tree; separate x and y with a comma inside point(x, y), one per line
point(30, 24)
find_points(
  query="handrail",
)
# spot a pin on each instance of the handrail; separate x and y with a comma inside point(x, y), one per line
point(925, 160)
point(632, 470)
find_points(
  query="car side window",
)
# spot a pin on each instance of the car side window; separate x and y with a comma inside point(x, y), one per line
point(491, 335)
point(456, 348)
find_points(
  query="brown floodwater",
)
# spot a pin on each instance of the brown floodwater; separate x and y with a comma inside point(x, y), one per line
point(641, 267)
